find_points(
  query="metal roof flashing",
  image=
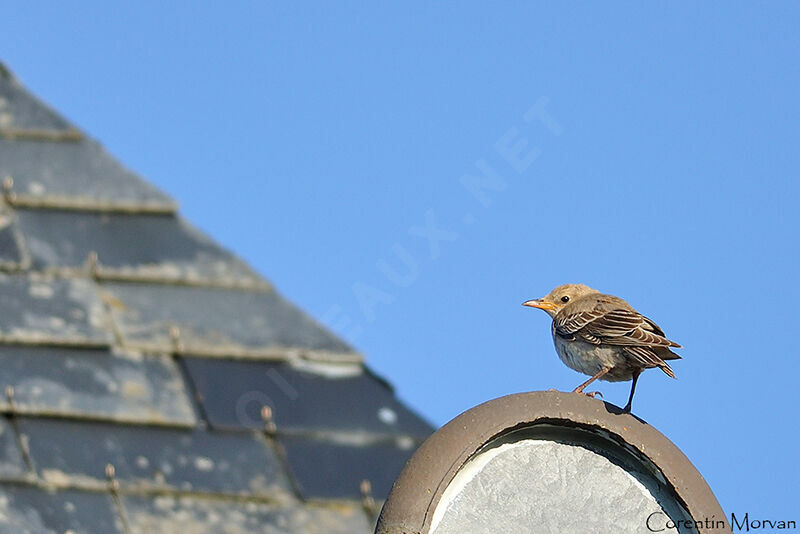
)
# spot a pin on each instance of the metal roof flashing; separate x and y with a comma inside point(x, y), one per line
point(535, 459)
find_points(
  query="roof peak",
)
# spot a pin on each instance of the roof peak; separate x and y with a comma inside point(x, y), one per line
point(126, 326)
point(47, 162)
point(5, 72)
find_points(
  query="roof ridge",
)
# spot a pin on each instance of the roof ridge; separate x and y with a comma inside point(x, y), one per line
point(125, 321)
point(57, 165)
point(5, 72)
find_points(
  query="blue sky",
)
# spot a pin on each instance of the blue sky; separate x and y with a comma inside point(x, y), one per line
point(650, 151)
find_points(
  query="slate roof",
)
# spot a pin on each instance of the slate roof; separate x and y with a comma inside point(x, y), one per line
point(150, 381)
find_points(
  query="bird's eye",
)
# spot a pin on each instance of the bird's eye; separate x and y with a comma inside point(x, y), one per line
point(565, 299)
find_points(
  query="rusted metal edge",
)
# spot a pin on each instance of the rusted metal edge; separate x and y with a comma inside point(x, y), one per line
point(124, 275)
point(66, 203)
point(239, 352)
point(154, 489)
point(229, 352)
point(45, 341)
point(417, 491)
point(13, 267)
point(28, 478)
point(42, 134)
point(15, 199)
point(146, 489)
point(111, 274)
point(352, 438)
point(359, 439)
point(18, 409)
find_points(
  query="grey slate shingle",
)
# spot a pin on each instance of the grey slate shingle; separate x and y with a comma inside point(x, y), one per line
point(95, 384)
point(153, 457)
point(30, 510)
point(51, 310)
point(156, 246)
point(215, 321)
point(12, 463)
point(76, 174)
point(129, 338)
point(302, 397)
point(190, 515)
point(19, 110)
point(13, 255)
point(327, 469)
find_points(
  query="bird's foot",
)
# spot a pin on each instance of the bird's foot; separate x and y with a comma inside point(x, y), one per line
point(591, 394)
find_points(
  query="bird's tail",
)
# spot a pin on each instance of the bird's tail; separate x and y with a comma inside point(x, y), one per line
point(664, 366)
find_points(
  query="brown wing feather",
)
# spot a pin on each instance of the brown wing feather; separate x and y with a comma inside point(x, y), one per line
point(618, 326)
point(572, 323)
point(647, 357)
point(612, 322)
point(628, 328)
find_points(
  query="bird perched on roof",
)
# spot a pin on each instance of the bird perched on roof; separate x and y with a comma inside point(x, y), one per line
point(603, 336)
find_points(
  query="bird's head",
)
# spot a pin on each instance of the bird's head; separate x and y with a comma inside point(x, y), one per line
point(559, 297)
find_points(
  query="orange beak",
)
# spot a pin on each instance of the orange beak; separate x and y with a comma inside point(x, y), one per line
point(537, 303)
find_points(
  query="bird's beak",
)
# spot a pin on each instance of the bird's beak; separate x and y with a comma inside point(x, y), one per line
point(537, 303)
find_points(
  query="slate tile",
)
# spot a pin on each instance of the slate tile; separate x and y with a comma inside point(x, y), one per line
point(157, 246)
point(188, 460)
point(189, 515)
point(303, 396)
point(327, 469)
point(12, 464)
point(51, 310)
point(215, 321)
point(11, 252)
point(78, 174)
point(21, 110)
point(31, 510)
point(95, 383)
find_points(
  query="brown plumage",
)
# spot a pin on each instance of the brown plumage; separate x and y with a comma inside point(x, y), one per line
point(603, 336)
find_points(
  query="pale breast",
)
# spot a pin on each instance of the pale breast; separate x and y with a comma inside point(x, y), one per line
point(589, 359)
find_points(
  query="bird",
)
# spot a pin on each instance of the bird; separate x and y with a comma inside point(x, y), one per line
point(604, 337)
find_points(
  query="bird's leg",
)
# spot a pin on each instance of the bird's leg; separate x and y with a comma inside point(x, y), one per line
point(580, 388)
point(636, 373)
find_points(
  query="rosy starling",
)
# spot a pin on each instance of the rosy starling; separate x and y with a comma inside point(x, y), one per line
point(603, 336)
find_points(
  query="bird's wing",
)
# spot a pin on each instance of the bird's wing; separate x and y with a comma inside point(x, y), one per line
point(647, 357)
point(573, 323)
point(615, 326)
